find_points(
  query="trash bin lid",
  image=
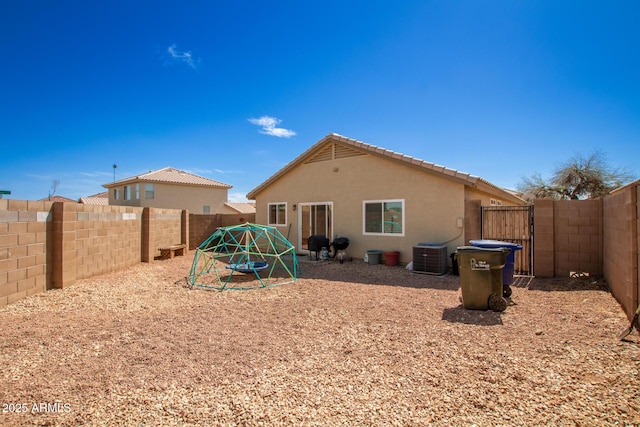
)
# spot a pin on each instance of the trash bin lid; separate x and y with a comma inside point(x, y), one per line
point(486, 243)
point(481, 249)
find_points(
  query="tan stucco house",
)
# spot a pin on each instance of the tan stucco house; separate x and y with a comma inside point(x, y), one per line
point(172, 188)
point(377, 198)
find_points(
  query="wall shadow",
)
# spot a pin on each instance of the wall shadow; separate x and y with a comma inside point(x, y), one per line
point(460, 314)
point(563, 284)
point(362, 273)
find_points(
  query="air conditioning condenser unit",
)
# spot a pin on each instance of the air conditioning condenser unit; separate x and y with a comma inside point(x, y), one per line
point(430, 258)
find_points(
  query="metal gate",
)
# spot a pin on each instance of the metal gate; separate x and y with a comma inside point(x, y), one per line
point(512, 224)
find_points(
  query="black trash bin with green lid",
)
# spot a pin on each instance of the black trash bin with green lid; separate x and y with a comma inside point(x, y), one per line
point(481, 277)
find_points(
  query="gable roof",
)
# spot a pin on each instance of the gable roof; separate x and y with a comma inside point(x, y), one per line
point(57, 199)
point(242, 207)
point(96, 199)
point(354, 147)
point(170, 175)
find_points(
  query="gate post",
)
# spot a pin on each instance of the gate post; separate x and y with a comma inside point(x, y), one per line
point(543, 246)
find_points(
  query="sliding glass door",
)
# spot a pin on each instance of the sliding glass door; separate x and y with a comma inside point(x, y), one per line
point(315, 218)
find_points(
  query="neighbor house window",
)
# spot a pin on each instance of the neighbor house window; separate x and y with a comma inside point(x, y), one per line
point(206, 209)
point(137, 191)
point(115, 194)
point(384, 217)
point(126, 192)
point(149, 191)
point(277, 213)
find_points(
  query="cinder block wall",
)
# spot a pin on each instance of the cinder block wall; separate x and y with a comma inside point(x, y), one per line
point(543, 235)
point(166, 229)
point(568, 237)
point(107, 238)
point(23, 249)
point(202, 226)
point(51, 245)
point(620, 246)
point(578, 235)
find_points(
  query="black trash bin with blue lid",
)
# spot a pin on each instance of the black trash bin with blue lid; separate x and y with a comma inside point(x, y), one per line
point(481, 277)
point(508, 269)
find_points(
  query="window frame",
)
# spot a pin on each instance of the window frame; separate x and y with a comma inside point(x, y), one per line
point(148, 185)
point(383, 203)
point(277, 223)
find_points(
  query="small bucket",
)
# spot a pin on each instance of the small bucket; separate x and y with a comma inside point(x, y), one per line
point(391, 258)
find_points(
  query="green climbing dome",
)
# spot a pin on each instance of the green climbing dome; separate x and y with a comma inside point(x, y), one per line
point(245, 256)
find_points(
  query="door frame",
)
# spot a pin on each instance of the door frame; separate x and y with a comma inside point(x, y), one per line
point(330, 220)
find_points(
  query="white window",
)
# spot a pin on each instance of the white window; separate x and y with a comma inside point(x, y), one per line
point(277, 213)
point(383, 217)
point(206, 209)
point(137, 191)
point(116, 194)
point(126, 192)
point(149, 191)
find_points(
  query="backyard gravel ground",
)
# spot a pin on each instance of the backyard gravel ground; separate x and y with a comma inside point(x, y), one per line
point(346, 345)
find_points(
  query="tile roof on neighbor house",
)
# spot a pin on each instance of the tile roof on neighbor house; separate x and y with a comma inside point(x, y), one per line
point(96, 199)
point(58, 199)
point(467, 178)
point(242, 208)
point(170, 175)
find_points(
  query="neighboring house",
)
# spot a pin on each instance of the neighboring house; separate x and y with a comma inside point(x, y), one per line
point(171, 188)
point(96, 199)
point(58, 199)
point(378, 199)
point(242, 208)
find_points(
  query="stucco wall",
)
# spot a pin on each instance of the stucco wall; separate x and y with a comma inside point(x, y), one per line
point(189, 198)
point(176, 196)
point(485, 199)
point(433, 204)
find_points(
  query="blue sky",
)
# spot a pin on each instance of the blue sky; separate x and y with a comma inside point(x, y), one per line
point(235, 90)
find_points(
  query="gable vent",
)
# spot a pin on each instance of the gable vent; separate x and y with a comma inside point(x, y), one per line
point(326, 154)
point(334, 151)
point(342, 151)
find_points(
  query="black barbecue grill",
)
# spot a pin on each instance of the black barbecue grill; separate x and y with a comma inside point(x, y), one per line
point(339, 245)
point(317, 242)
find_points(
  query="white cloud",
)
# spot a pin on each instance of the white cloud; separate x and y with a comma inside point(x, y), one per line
point(182, 56)
point(228, 171)
point(237, 197)
point(269, 127)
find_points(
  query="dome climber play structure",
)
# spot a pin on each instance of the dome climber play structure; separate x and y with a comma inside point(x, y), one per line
point(245, 256)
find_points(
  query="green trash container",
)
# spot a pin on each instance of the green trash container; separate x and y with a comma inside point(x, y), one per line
point(481, 277)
